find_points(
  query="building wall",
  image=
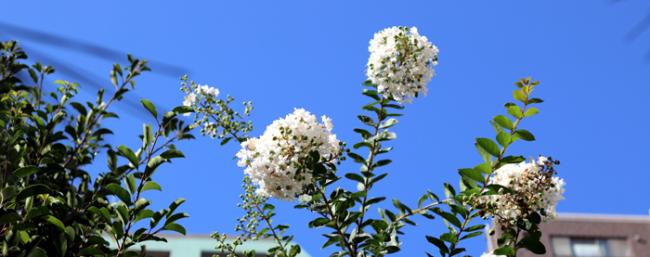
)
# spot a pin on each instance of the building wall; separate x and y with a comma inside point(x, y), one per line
point(635, 230)
point(198, 246)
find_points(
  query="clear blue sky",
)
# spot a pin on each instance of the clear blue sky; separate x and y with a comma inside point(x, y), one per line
point(312, 55)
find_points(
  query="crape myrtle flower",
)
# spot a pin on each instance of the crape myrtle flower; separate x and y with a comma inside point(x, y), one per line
point(401, 63)
point(274, 160)
point(535, 190)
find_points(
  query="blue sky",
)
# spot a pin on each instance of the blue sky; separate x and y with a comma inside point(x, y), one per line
point(282, 55)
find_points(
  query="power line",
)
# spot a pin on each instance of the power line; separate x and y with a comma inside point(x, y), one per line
point(85, 47)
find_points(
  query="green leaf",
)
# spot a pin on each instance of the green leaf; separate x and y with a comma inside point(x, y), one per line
point(150, 107)
point(175, 204)
point(295, 250)
point(37, 252)
point(120, 192)
point(531, 111)
point(25, 171)
point(130, 183)
point(318, 222)
point(225, 140)
point(525, 135)
point(489, 146)
point(129, 154)
point(143, 214)
point(79, 107)
point(150, 185)
point(153, 164)
point(355, 177)
point(375, 200)
point(378, 178)
point(504, 250)
point(513, 159)
point(438, 243)
point(141, 204)
point(362, 144)
point(172, 153)
point(470, 235)
point(366, 120)
point(475, 228)
point(9, 217)
point(473, 174)
point(519, 95)
point(382, 163)
point(533, 245)
point(504, 138)
point(32, 190)
point(503, 121)
point(55, 221)
point(371, 93)
point(449, 190)
point(515, 111)
point(123, 212)
point(183, 109)
point(357, 158)
point(147, 135)
point(175, 227)
point(23, 236)
point(331, 240)
point(176, 217)
point(449, 237)
point(400, 206)
point(449, 217)
point(364, 133)
point(90, 251)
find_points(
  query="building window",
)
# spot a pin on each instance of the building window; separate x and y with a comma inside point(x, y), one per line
point(564, 246)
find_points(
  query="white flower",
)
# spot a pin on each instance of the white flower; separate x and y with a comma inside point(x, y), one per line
point(327, 122)
point(272, 160)
point(491, 255)
point(208, 90)
point(189, 99)
point(304, 198)
point(534, 186)
point(196, 94)
point(401, 63)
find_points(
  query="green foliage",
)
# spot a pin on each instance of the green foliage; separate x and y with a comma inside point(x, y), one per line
point(463, 209)
point(257, 210)
point(50, 204)
point(343, 213)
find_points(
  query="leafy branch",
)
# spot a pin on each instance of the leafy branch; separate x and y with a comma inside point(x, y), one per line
point(475, 182)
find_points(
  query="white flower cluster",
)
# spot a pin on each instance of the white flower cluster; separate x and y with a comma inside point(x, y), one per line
point(401, 63)
point(200, 98)
point(535, 190)
point(272, 161)
point(197, 92)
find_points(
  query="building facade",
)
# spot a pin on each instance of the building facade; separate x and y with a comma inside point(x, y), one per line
point(199, 246)
point(592, 235)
